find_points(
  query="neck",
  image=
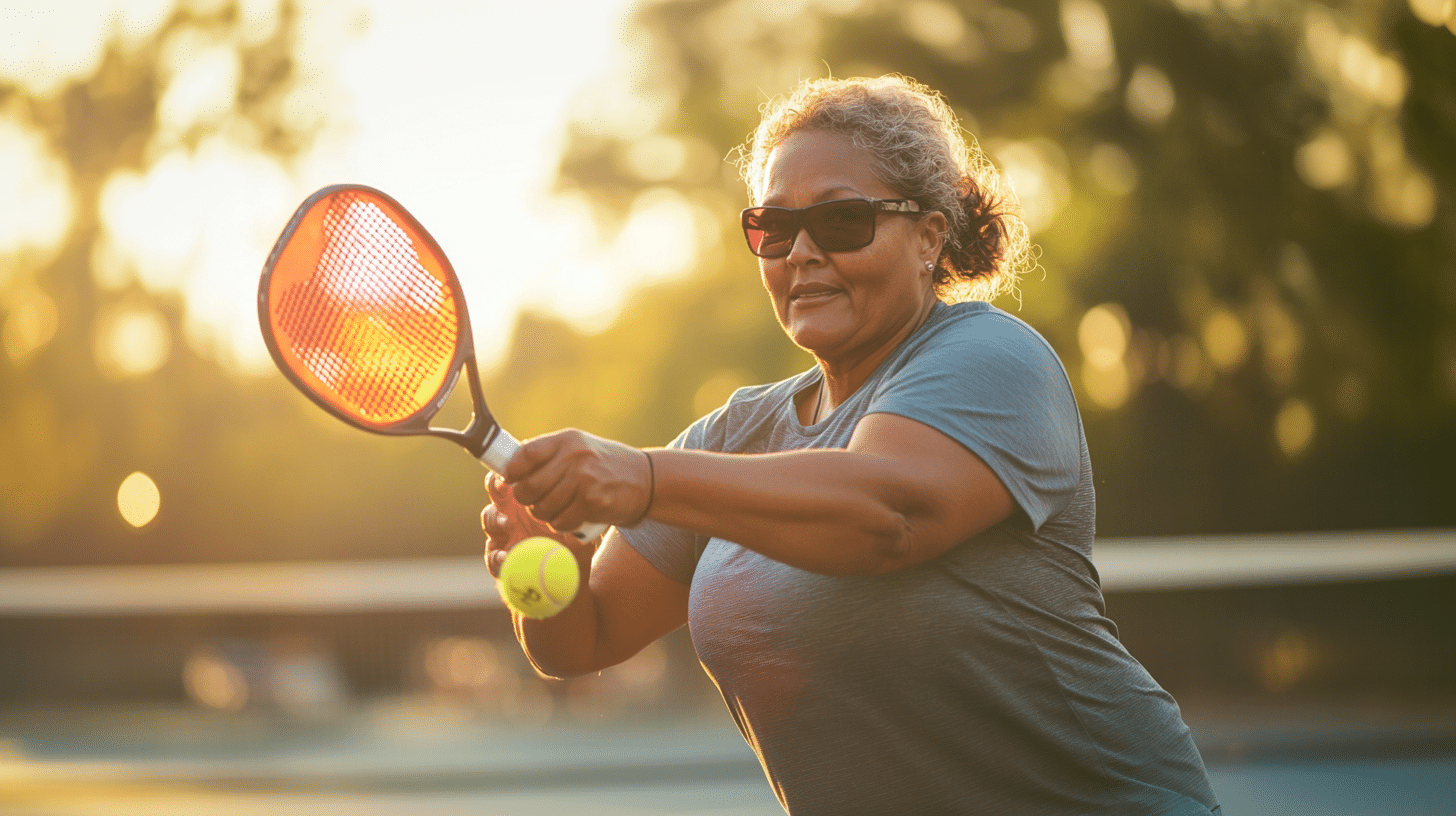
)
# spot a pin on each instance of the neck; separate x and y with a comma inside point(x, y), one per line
point(842, 377)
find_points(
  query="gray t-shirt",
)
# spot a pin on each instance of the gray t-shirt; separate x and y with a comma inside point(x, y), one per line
point(988, 680)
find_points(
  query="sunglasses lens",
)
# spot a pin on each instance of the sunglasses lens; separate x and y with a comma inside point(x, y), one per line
point(836, 226)
point(841, 226)
point(770, 231)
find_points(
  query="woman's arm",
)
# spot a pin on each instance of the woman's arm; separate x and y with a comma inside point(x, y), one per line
point(624, 602)
point(901, 493)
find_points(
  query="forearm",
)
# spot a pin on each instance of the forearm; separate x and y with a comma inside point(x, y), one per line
point(834, 512)
point(624, 604)
point(899, 494)
point(563, 645)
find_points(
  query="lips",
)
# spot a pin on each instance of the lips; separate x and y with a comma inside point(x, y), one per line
point(810, 292)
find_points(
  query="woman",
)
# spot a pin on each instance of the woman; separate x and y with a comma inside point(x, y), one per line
point(884, 561)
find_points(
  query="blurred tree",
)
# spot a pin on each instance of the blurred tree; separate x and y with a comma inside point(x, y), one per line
point(96, 380)
point(1245, 212)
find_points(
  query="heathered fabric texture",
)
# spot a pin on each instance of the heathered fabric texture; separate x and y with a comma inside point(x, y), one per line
point(987, 680)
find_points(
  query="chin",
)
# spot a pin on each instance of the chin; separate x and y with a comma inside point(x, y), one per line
point(811, 339)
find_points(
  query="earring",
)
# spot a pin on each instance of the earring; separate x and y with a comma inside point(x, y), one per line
point(929, 266)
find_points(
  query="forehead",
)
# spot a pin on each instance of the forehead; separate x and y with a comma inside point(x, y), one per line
point(816, 165)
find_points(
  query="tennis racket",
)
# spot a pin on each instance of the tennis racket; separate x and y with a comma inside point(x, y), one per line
point(363, 312)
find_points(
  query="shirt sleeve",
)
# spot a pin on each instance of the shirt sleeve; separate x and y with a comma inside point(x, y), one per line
point(992, 383)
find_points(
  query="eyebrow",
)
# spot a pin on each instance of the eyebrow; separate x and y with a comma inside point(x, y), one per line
point(832, 194)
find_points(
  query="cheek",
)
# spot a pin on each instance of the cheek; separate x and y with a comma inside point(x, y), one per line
point(775, 285)
point(774, 279)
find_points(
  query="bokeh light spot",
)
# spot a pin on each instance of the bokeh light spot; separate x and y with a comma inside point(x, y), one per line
point(660, 218)
point(1150, 95)
point(461, 663)
point(939, 25)
point(1324, 162)
point(138, 499)
point(1108, 386)
point(1103, 334)
point(214, 681)
point(1088, 35)
point(1287, 660)
point(1113, 169)
point(1434, 12)
point(1036, 169)
point(1225, 339)
point(1294, 427)
point(30, 324)
point(1378, 78)
point(131, 342)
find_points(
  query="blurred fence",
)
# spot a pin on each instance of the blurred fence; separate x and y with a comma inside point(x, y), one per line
point(1369, 614)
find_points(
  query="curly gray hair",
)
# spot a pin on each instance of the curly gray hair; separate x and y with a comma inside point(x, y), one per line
point(922, 153)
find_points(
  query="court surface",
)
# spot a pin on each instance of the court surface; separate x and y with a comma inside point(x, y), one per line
point(173, 761)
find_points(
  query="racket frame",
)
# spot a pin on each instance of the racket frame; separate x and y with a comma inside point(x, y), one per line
point(483, 432)
point(483, 436)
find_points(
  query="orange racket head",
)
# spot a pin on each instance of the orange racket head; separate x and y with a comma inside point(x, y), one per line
point(363, 312)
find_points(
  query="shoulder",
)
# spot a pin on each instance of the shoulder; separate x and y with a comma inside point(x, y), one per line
point(991, 382)
point(982, 324)
point(978, 339)
point(729, 427)
point(977, 366)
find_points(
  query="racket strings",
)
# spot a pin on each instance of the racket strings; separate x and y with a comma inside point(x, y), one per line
point(371, 322)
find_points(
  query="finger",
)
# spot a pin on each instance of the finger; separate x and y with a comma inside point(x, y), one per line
point(532, 454)
point(558, 506)
point(494, 559)
point(490, 522)
point(499, 491)
point(495, 524)
point(535, 486)
point(506, 523)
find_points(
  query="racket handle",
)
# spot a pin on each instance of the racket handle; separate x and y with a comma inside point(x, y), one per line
point(499, 452)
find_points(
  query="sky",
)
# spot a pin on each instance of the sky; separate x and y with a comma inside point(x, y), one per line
point(457, 109)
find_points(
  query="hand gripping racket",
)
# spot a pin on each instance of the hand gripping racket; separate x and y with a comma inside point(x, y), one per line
point(362, 311)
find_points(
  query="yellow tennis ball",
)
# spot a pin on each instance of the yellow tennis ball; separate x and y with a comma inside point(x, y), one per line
point(539, 577)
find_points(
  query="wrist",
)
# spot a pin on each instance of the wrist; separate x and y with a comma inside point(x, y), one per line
point(651, 489)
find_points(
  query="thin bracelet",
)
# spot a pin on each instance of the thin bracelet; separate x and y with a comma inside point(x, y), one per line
point(651, 487)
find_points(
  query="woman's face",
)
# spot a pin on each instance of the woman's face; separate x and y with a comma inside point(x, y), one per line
point(843, 307)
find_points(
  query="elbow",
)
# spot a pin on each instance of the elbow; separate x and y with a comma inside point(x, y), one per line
point(557, 669)
point(556, 659)
point(894, 547)
point(887, 545)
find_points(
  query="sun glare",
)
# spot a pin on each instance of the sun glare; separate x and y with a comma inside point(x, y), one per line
point(35, 199)
point(400, 91)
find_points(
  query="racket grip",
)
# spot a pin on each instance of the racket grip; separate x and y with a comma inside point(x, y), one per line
point(499, 452)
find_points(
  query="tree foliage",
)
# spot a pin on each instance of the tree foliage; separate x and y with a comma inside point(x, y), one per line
point(245, 467)
point(1248, 264)
point(1244, 211)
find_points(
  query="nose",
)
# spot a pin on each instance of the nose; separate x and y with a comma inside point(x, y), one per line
point(804, 250)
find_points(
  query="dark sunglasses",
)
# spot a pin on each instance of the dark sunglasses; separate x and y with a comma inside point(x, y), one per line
point(836, 226)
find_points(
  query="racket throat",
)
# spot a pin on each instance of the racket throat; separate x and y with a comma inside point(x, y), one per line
point(483, 432)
